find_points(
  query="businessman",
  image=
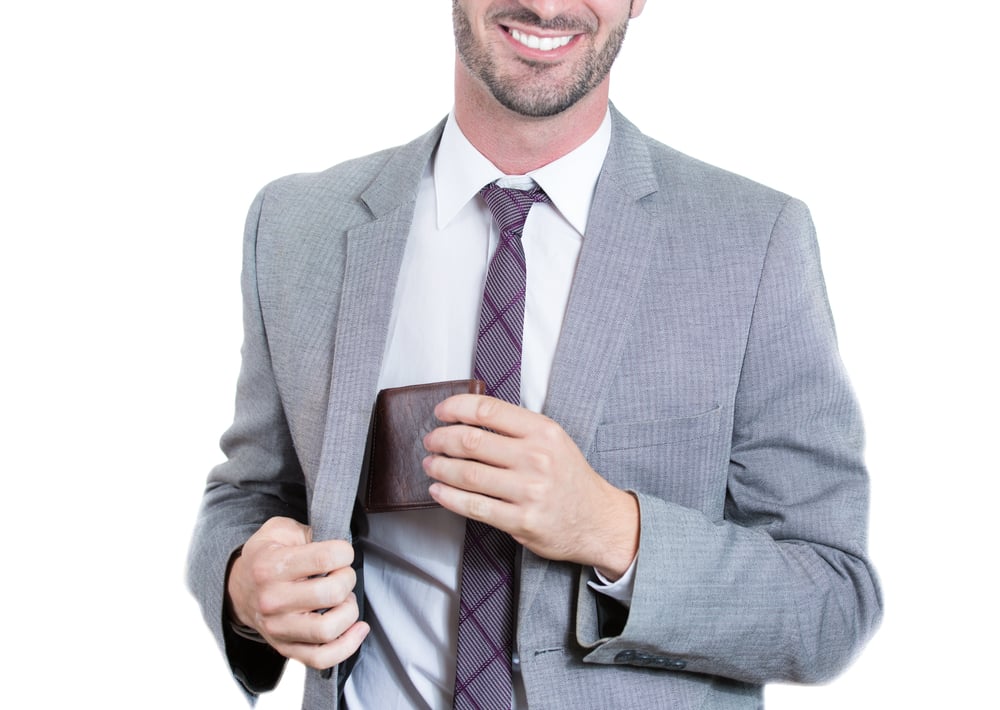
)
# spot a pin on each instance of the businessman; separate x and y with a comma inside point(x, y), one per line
point(661, 500)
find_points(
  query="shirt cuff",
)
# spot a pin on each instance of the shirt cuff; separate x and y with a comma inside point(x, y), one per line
point(621, 589)
point(247, 632)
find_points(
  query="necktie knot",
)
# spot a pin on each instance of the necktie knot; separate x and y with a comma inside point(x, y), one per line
point(510, 206)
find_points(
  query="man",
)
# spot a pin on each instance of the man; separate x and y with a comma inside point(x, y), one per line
point(681, 467)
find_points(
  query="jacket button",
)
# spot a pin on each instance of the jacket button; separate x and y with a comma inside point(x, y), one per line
point(674, 663)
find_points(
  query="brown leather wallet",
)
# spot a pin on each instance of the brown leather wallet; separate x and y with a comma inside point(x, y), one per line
point(393, 476)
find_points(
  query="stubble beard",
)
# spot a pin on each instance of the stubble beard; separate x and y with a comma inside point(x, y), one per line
point(537, 96)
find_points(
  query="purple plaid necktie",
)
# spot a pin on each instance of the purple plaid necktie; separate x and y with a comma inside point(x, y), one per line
point(485, 624)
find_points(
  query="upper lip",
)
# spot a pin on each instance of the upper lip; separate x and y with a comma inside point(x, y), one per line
point(539, 32)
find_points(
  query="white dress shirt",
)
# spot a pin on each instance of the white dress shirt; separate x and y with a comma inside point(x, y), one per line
point(412, 558)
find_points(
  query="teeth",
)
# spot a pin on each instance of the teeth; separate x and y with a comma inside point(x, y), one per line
point(546, 44)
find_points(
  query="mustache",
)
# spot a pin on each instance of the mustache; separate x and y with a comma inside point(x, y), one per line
point(559, 23)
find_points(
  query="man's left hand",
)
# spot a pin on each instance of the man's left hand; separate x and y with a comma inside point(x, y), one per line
point(521, 472)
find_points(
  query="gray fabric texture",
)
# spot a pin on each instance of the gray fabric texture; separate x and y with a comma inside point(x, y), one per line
point(697, 366)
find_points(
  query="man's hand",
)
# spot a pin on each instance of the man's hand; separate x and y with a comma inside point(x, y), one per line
point(527, 477)
point(280, 580)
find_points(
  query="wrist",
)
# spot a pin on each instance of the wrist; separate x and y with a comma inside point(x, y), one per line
point(230, 617)
point(230, 608)
point(621, 542)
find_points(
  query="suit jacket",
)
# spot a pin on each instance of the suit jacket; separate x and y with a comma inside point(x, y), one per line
point(697, 366)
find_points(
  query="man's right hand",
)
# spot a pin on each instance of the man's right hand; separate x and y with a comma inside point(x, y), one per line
point(280, 581)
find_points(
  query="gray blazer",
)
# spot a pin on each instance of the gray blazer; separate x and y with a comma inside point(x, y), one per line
point(697, 366)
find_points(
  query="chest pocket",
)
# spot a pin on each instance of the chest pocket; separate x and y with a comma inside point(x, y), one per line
point(638, 435)
point(680, 459)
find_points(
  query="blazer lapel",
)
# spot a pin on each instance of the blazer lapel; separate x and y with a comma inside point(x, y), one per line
point(621, 231)
point(374, 254)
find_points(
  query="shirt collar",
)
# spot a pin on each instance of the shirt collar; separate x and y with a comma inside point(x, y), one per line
point(460, 171)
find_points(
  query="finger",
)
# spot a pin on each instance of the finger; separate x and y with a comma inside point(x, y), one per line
point(311, 627)
point(283, 531)
point(322, 656)
point(489, 412)
point(495, 512)
point(306, 595)
point(468, 442)
point(474, 476)
point(303, 561)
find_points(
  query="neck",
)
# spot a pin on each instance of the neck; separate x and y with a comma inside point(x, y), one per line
point(518, 144)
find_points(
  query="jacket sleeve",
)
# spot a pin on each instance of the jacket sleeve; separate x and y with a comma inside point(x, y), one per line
point(781, 588)
point(261, 478)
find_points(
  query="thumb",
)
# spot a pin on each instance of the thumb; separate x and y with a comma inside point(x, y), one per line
point(283, 532)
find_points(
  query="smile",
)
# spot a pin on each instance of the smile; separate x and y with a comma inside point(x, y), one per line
point(545, 44)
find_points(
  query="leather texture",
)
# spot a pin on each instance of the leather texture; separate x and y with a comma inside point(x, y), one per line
point(393, 477)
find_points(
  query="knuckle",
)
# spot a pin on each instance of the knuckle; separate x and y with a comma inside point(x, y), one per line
point(331, 556)
point(322, 558)
point(323, 629)
point(348, 578)
point(472, 439)
point(312, 656)
point(549, 431)
point(486, 408)
point(472, 477)
point(439, 466)
point(536, 490)
point(262, 570)
point(540, 460)
point(344, 552)
point(479, 508)
point(268, 603)
point(269, 526)
point(267, 626)
point(331, 625)
point(528, 523)
point(337, 587)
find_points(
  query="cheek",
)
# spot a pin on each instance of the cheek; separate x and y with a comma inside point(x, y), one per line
point(613, 12)
point(637, 6)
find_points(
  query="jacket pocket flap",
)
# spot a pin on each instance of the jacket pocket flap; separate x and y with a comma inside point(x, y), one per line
point(635, 435)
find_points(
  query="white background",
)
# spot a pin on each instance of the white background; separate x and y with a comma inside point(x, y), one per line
point(135, 134)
